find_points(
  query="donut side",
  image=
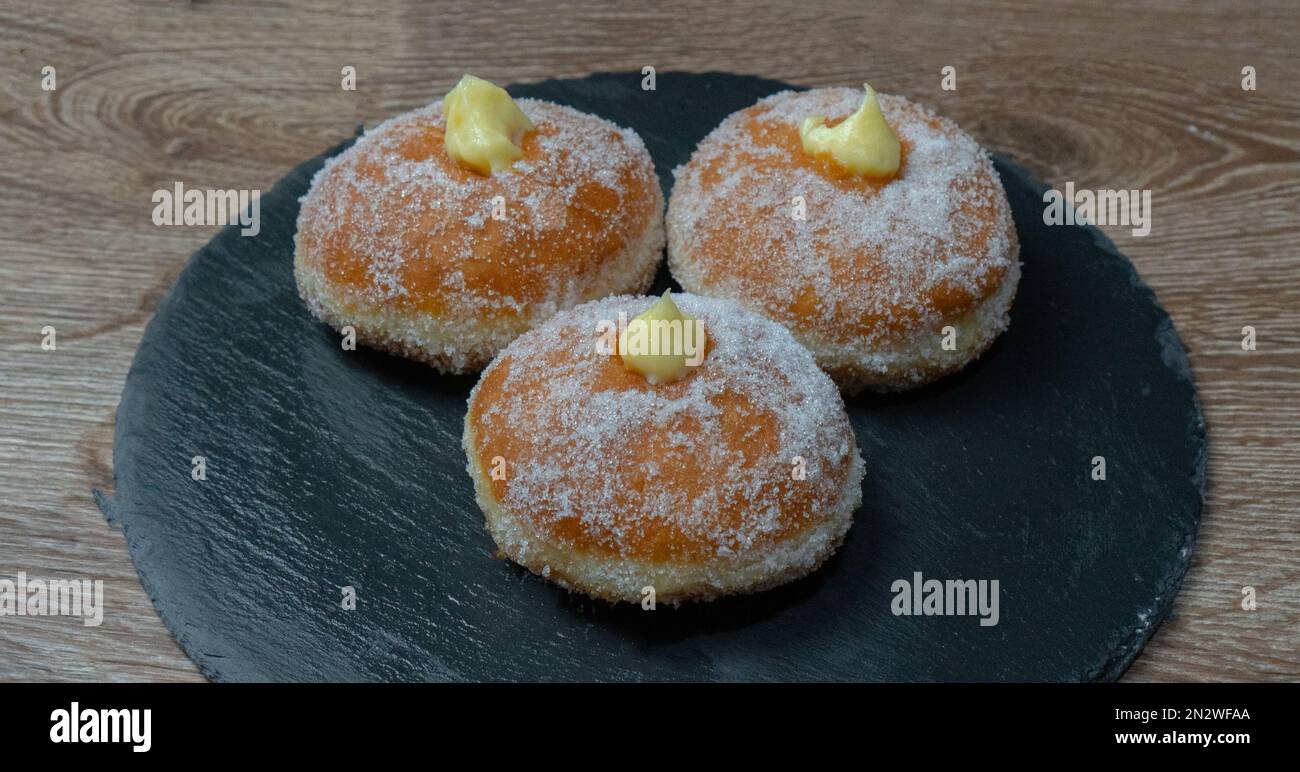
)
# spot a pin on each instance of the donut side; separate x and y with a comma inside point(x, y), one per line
point(607, 485)
point(459, 344)
point(865, 274)
point(623, 579)
point(434, 262)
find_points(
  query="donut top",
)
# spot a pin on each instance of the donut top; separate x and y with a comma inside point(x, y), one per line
point(603, 461)
point(871, 259)
point(394, 220)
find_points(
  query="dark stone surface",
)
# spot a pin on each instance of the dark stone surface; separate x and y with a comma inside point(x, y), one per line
point(328, 468)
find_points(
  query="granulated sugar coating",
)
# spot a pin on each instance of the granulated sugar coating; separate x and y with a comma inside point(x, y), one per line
point(433, 261)
point(865, 273)
point(743, 475)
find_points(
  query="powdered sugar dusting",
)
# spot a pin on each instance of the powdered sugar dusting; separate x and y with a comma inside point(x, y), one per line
point(868, 261)
point(757, 402)
point(421, 226)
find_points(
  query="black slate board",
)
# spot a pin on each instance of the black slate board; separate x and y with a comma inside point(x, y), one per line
point(328, 468)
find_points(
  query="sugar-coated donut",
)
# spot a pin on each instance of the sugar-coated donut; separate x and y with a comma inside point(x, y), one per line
point(865, 273)
point(430, 260)
point(743, 475)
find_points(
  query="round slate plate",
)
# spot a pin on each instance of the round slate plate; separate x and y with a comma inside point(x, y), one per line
point(328, 468)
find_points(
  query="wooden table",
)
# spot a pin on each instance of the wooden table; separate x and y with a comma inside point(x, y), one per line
point(221, 95)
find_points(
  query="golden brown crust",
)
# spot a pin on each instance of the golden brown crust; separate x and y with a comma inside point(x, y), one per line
point(865, 273)
point(608, 484)
point(394, 235)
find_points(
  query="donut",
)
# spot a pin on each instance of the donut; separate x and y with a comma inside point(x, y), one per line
point(738, 477)
point(869, 274)
point(430, 260)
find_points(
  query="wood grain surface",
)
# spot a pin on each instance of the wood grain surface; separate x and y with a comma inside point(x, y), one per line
point(230, 95)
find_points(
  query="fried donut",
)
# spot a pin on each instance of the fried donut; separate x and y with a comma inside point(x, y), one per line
point(743, 475)
point(868, 274)
point(432, 261)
